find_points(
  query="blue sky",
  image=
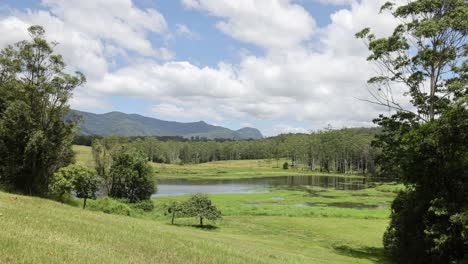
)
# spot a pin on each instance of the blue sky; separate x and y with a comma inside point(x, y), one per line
point(278, 65)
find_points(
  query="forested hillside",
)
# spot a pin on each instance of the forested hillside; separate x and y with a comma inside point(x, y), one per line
point(118, 123)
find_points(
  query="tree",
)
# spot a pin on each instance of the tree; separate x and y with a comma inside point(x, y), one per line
point(85, 183)
point(60, 186)
point(425, 147)
point(131, 176)
point(35, 89)
point(199, 205)
point(430, 219)
point(81, 180)
point(102, 163)
point(428, 47)
point(175, 208)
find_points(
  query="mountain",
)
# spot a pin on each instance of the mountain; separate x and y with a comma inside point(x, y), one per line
point(118, 123)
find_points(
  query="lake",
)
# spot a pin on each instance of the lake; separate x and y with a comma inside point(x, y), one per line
point(172, 187)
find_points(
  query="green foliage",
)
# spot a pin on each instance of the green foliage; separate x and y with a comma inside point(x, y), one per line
point(34, 89)
point(144, 205)
point(111, 206)
point(343, 151)
point(102, 163)
point(425, 49)
point(425, 148)
point(285, 165)
point(131, 176)
point(175, 209)
point(429, 219)
point(84, 182)
point(61, 185)
point(199, 205)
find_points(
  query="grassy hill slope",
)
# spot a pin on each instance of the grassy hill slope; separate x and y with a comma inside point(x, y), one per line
point(36, 230)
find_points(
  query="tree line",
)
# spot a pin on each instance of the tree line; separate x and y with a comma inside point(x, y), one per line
point(346, 150)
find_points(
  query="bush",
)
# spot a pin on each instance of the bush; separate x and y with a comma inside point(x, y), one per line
point(79, 179)
point(111, 206)
point(286, 165)
point(144, 205)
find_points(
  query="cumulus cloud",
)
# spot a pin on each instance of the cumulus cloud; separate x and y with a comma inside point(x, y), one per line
point(316, 80)
point(287, 129)
point(266, 23)
point(90, 32)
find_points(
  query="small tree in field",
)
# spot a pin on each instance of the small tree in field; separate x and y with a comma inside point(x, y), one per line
point(76, 178)
point(85, 183)
point(200, 205)
point(175, 208)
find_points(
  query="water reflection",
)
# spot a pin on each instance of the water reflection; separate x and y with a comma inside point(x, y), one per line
point(168, 187)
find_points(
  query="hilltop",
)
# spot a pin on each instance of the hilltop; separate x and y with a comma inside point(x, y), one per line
point(119, 123)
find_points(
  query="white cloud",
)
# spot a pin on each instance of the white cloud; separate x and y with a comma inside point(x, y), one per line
point(191, 112)
point(90, 32)
point(315, 80)
point(320, 85)
point(266, 23)
point(286, 129)
point(336, 2)
point(118, 21)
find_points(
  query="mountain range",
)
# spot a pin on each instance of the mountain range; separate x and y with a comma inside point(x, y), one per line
point(118, 123)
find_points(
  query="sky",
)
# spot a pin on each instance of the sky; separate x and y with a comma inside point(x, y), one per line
point(282, 66)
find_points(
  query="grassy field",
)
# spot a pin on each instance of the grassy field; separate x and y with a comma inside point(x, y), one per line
point(269, 230)
point(300, 225)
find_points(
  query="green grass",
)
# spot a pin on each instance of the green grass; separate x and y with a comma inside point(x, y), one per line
point(299, 225)
point(83, 156)
point(232, 169)
point(36, 230)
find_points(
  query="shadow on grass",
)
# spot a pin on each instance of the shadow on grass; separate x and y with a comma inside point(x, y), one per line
point(204, 227)
point(373, 254)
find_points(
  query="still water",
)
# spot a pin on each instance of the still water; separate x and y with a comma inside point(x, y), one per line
point(171, 187)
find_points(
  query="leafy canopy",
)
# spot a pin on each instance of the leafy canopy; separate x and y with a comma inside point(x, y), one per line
point(34, 92)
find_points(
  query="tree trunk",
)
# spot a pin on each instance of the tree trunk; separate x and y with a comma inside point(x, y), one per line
point(84, 203)
point(173, 217)
point(201, 221)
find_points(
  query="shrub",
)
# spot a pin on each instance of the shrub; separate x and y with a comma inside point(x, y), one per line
point(144, 205)
point(76, 178)
point(285, 165)
point(111, 206)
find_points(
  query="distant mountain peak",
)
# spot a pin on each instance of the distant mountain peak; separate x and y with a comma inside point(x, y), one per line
point(119, 123)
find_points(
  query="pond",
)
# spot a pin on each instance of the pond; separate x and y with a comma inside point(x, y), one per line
point(171, 187)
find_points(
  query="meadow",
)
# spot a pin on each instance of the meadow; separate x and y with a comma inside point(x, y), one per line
point(285, 225)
